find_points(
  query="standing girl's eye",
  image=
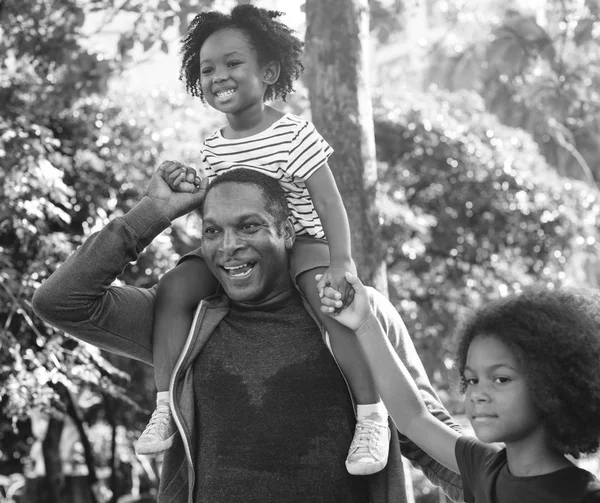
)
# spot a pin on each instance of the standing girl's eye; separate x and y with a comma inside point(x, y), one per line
point(234, 63)
point(206, 70)
point(502, 380)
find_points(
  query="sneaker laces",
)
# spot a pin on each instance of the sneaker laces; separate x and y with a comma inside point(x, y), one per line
point(159, 422)
point(366, 432)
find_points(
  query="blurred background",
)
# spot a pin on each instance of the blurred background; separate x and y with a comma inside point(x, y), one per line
point(485, 117)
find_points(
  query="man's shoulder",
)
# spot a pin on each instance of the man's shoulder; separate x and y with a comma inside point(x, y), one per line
point(380, 304)
point(386, 313)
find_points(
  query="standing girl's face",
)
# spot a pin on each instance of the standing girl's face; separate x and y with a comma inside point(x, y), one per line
point(231, 77)
point(498, 401)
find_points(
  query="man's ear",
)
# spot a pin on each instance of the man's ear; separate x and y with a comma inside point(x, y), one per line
point(289, 234)
point(272, 71)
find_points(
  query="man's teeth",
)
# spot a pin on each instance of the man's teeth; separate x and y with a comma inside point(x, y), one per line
point(239, 270)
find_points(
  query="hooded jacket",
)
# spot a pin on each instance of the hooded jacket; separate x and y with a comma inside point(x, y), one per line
point(80, 299)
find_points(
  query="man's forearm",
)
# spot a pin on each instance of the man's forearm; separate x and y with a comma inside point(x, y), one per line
point(79, 299)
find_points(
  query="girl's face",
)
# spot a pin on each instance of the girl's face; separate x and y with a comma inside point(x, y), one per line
point(498, 401)
point(231, 77)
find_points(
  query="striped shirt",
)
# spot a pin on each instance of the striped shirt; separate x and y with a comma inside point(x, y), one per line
point(291, 150)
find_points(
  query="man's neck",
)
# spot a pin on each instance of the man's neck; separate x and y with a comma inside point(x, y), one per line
point(272, 302)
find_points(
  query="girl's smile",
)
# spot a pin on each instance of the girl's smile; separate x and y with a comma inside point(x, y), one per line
point(232, 78)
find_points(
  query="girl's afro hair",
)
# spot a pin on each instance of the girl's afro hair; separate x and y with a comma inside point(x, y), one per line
point(556, 336)
point(272, 40)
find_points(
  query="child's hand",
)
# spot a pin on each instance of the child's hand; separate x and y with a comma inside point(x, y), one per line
point(182, 178)
point(353, 314)
point(335, 277)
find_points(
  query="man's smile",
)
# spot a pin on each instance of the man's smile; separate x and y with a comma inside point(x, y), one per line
point(239, 271)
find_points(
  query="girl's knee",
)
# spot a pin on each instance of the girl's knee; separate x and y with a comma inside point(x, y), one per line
point(185, 284)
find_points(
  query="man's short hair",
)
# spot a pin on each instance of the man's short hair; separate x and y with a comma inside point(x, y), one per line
point(273, 194)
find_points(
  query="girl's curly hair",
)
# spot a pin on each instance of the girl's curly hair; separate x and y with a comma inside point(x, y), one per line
point(272, 40)
point(556, 336)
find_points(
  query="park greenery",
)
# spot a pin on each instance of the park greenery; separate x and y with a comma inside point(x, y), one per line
point(488, 183)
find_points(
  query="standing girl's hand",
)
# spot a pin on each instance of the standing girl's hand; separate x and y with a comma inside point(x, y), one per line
point(352, 315)
point(335, 277)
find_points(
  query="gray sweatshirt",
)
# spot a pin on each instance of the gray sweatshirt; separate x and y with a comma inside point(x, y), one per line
point(80, 299)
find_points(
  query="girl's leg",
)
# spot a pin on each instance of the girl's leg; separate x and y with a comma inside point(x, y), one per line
point(369, 450)
point(179, 292)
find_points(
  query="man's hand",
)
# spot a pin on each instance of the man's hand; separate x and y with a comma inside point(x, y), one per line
point(173, 203)
point(335, 278)
point(358, 309)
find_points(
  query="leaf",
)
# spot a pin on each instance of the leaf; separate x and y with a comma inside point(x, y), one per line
point(148, 44)
point(169, 21)
point(125, 44)
point(584, 31)
point(506, 55)
point(526, 28)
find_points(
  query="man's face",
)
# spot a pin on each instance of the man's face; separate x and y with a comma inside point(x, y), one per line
point(242, 245)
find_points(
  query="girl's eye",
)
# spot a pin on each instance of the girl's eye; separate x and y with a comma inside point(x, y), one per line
point(206, 71)
point(502, 380)
point(234, 63)
point(470, 381)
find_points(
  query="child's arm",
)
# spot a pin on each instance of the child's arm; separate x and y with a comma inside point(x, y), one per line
point(395, 385)
point(330, 208)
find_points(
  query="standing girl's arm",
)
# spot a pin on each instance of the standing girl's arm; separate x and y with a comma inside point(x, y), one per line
point(393, 382)
point(332, 213)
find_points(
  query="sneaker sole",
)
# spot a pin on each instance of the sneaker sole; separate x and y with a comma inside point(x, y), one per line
point(369, 469)
point(155, 448)
point(365, 469)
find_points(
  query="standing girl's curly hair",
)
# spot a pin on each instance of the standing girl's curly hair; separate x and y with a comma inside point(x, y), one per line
point(555, 334)
point(272, 40)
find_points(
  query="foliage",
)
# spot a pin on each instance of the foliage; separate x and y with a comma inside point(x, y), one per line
point(536, 72)
point(71, 157)
point(471, 211)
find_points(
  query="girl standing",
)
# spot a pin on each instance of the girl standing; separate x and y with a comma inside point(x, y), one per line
point(529, 367)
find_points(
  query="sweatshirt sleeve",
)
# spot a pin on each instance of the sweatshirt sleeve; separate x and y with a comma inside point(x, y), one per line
point(393, 325)
point(79, 297)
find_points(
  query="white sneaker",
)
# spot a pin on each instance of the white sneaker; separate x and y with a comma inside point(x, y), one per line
point(370, 447)
point(159, 434)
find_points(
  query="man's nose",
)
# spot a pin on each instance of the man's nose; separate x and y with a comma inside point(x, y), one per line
point(230, 242)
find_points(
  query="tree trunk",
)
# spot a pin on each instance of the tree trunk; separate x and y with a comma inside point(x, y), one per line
point(337, 34)
point(51, 450)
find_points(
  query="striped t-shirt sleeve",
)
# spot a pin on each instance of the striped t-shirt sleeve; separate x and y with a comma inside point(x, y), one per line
point(308, 152)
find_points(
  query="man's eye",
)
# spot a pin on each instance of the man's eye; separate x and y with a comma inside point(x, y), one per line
point(250, 227)
point(210, 231)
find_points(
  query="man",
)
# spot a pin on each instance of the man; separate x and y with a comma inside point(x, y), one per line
point(262, 410)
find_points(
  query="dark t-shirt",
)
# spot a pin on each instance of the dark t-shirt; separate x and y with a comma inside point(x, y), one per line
point(275, 419)
point(486, 478)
